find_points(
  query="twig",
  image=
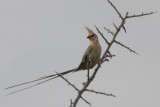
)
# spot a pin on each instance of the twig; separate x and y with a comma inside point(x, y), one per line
point(97, 92)
point(110, 55)
point(115, 35)
point(115, 26)
point(141, 14)
point(109, 31)
point(102, 36)
point(69, 83)
point(86, 101)
point(115, 9)
point(117, 13)
point(126, 47)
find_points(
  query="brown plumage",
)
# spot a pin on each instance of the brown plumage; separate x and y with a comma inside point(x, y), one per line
point(92, 54)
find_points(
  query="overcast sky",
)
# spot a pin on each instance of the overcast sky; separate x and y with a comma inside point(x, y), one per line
point(39, 37)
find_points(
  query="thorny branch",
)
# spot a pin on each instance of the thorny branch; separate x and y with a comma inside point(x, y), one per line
point(121, 25)
point(97, 68)
point(98, 92)
point(102, 35)
point(115, 26)
point(126, 47)
point(69, 83)
point(119, 43)
point(142, 14)
point(118, 14)
point(109, 31)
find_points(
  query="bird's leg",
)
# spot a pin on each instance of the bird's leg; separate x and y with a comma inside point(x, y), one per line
point(105, 59)
point(88, 64)
point(84, 83)
point(110, 55)
point(88, 75)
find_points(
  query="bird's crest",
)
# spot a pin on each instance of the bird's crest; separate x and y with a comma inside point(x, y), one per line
point(90, 32)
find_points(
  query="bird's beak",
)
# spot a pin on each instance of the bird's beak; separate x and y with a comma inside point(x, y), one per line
point(89, 36)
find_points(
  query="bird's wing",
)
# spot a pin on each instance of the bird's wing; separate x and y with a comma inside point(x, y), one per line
point(85, 58)
point(86, 54)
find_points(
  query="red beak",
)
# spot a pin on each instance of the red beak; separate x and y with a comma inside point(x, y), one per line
point(89, 36)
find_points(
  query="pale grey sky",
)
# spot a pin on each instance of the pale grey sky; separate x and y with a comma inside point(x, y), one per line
point(39, 37)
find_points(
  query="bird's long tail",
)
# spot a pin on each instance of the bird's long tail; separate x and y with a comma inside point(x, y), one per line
point(39, 81)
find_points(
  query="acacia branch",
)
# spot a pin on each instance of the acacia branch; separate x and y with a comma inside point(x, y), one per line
point(69, 83)
point(126, 47)
point(117, 13)
point(115, 26)
point(97, 68)
point(109, 31)
point(107, 51)
point(142, 14)
point(98, 92)
point(102, 36)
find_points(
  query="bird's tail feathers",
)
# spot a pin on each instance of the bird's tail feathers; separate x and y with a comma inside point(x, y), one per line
point(41, 80)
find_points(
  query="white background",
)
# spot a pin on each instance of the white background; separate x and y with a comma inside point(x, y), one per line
point(39, 37)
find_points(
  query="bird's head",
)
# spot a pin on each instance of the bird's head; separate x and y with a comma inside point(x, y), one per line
point(91, 35)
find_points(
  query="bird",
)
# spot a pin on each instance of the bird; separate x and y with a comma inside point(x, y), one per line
point(90, 58)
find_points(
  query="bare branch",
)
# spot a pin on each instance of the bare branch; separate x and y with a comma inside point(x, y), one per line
point(105, 53)
point(110, 55)
point(141, 14)
point(69, 83)
point(115, 35)
point(109, 31)
point(126, 47)
point(117, 13)
point(115, 26)
point(97, 92)
point(115, 9)
point(86, 101)
point(102, 35)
